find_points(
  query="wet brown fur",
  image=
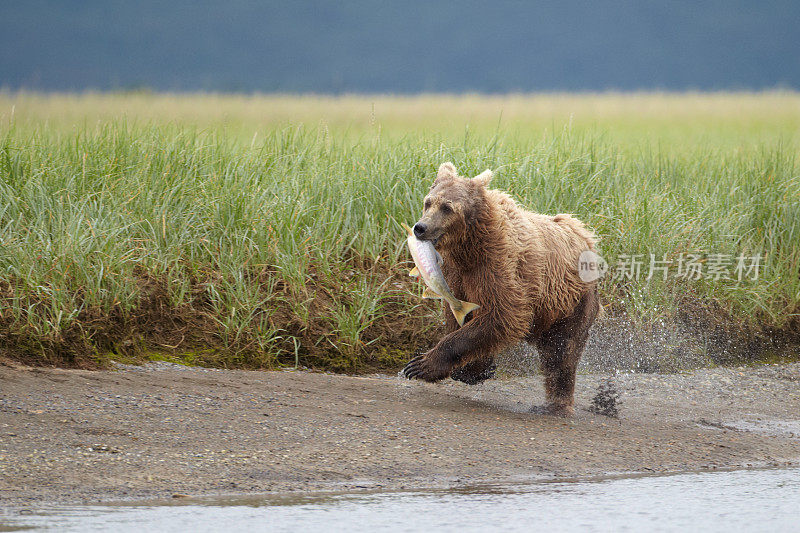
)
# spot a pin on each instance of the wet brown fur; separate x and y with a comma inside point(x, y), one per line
point(521, 268)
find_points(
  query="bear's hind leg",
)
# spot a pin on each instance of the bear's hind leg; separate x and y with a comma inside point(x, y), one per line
point(560, 349)
point(559, 381)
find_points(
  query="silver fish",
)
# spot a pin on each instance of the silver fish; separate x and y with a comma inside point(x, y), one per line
point(428, 266)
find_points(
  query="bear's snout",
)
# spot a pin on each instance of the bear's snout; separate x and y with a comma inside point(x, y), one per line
point(420, 229)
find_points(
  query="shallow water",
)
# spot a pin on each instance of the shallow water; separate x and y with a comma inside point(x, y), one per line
point(751, 500)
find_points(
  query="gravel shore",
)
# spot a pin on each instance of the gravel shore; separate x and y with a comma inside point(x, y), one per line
point(72, 436)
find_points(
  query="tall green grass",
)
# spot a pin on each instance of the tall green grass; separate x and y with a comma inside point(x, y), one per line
point(124, 237)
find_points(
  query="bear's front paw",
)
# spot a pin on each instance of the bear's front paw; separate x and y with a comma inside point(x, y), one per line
point(475, 372)
point(421, 368)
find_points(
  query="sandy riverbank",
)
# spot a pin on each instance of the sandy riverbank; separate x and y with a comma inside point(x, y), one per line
point(155, 431)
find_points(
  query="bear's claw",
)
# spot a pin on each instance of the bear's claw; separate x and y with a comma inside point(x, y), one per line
point(420, 368)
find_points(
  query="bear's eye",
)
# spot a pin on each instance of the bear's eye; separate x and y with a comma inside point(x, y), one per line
point(428, 203)
point(446, 209)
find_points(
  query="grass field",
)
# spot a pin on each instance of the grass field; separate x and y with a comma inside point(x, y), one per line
point(260, 231)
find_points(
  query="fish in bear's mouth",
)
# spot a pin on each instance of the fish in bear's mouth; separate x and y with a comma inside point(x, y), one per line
point(434, 240)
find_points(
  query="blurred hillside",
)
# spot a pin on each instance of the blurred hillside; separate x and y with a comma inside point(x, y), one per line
point(401, 47)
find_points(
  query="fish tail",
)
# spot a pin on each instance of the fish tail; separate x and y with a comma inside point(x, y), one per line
point(466, 307)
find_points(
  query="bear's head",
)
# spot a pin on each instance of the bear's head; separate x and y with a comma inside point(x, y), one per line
point(451, 205)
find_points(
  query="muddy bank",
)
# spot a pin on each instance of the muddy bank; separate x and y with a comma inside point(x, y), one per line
point(155, 431)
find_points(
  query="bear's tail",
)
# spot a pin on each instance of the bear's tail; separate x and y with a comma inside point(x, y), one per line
point(466, 307)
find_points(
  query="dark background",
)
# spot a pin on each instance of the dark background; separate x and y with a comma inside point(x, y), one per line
point(403, 47)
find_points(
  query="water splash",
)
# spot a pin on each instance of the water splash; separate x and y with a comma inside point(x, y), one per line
point(619, 344)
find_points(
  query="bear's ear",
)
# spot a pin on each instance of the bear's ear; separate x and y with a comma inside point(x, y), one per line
point(483, 178)
point(446, 170)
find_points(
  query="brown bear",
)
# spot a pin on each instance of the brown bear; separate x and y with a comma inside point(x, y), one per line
point(522, 269)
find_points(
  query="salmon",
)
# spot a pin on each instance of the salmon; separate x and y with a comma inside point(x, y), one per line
point(429, 267)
